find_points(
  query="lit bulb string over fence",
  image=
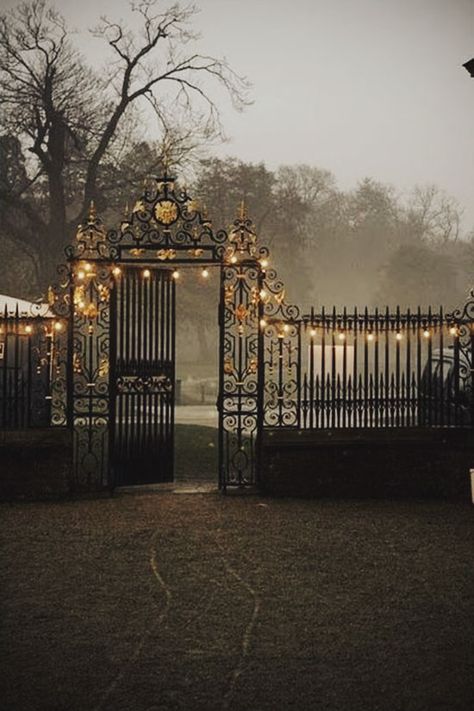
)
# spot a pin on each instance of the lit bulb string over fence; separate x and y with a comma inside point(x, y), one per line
point(29, 361)
point(368, 369)
point(88, 291)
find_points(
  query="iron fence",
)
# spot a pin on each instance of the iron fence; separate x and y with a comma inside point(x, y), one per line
point(372, 369)
point(26, 362)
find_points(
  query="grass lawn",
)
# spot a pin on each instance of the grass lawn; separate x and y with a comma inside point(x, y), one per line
point(196, 452)
point(166, 601)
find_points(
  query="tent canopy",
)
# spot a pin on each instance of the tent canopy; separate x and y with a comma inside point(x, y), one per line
point(26, 309)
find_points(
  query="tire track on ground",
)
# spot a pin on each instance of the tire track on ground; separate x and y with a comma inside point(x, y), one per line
point(249, 629)
point(153, 565)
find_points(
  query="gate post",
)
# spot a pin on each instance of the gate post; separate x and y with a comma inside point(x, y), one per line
point(241, 387)
point(463, 319)
point(90, 281)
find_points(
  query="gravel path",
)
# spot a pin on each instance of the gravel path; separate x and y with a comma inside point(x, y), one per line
point(159, 601)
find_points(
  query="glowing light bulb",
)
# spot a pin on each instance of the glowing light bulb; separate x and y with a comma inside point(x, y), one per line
point(146, 273)
point(312, 333)
point(453, 331)
point(88, 267)
point(370, 336)
point(426, 333)
point(175, 274)
point(205, 273)
point(81, 274)
point(58, 326)
point(286, 328)
point(264, 263)
point(116, 271)
point(342, 336)
point(399, 336)
point(233, 259)
point(28, 328)
point(263, 323)
point(263, 294)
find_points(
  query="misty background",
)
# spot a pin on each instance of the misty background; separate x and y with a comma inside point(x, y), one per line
point(345, 126)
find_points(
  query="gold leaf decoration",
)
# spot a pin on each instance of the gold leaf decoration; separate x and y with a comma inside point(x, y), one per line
point(166, 212)
point(79, 294)
point(192, 205)
point(91, 311)
point(103, 368)
point(241, 312)
point(279, 298)
point(228, 366)
point(166, 254)
point(139, 206)
point(104, 292)
point(253, 365)
point(76, 363)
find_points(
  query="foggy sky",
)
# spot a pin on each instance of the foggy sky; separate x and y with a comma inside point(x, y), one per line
point(359, 87)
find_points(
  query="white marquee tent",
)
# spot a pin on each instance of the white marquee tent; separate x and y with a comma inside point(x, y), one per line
point(26, 309)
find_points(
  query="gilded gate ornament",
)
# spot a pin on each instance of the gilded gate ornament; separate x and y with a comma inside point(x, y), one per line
point(166, 254)
point(166, 212)
point(241, 312)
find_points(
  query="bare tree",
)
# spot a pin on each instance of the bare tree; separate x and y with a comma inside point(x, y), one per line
point(69, 117)
point(433, 215)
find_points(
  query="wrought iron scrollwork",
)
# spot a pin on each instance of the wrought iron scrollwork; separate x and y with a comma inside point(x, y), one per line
point(164, 222)
point(463, 322)
point(128, 384)
point(241, 284)
point(281, 341)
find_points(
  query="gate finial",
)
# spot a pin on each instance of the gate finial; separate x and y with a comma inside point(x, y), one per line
point(90, 237)
point(243, 211)
point(92, 216)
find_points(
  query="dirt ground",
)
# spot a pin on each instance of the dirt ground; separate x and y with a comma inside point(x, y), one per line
point(164, 601)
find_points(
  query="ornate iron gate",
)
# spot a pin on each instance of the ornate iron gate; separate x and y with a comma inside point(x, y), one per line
point(142, 376)
point(117, 286)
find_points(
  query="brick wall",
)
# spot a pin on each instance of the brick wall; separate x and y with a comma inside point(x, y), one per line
point(368, 463)
point(35, 463)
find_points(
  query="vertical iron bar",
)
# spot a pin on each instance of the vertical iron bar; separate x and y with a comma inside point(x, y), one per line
point(311, 378)
point(345, 326)
point(439, 415)
point(173, 373)
point(375, 334)
point(387, 411)
point(366, 366)
point(333, 369)
point(324, 422)
point(397, 368)
point(355, 394)
point(112, 378)
point(430, 368)
point(408, 367)
point(420, 387)
point(220, 397)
